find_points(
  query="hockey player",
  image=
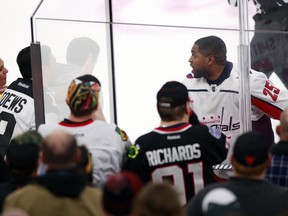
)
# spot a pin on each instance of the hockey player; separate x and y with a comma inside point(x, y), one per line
point(214, 86)
point(176, 151)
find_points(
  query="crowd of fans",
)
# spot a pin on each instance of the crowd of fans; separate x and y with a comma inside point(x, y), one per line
point(83, 165)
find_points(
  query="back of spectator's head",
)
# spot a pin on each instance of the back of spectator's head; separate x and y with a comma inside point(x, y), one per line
point(60, 150)
point(157, 199)
point(24, 63)
point(119, 192)
point(23, 152)
point(250, 154)
point(80, 49)
point(171, 101)
point(83, 96)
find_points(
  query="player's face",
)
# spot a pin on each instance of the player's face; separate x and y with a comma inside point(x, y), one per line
point(3, 73)
point(198, 62)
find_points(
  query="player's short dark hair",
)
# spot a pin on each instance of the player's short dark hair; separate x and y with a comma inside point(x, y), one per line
point(213, 45)
point(24, 63)
point(171, 114)
point(79, 49)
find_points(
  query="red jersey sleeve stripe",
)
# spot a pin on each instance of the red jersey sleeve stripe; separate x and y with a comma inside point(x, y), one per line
point(269, 109)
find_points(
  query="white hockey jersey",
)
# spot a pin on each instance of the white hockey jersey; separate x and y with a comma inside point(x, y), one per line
point(107, 143)
point(16, 111)
point(216, 103)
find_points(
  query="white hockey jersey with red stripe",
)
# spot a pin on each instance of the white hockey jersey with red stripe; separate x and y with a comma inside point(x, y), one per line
point(216, 103)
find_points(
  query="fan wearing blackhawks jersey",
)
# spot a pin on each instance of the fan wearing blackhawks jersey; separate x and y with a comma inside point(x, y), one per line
point(17, 104)
point(214, 86)
point(17, 113)
point(176, 151)
point(107, 143)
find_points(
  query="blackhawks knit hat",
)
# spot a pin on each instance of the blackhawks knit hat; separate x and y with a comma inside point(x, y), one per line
point(172, 94)
point(23, 151)
point(251, 149)
point(82, 94)
point(119, 191)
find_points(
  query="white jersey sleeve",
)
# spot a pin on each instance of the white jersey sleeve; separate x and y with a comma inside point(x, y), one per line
point(266, 96)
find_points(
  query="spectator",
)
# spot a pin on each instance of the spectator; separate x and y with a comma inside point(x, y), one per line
point(17, 103)
point(277, 172)
point(63, 190)
point(246, 192)
point(176, 151)
point(215, 79)
point(157, 199)
point(3, 77)
point(107, 142)
point(119, 193)
point(22, 157)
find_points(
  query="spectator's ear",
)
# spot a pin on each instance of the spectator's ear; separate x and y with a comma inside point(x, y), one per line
point(78, 156)
point(278, 130)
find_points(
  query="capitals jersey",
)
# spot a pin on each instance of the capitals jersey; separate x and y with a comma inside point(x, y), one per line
point(16, 111)
point(180, 154)
point(216, 103)
point(107, 143)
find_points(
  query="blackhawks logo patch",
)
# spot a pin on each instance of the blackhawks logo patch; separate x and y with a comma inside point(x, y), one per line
point(133, 151)
point(122, 133)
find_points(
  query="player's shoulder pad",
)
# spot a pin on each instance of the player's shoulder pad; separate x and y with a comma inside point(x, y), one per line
point(122, 133)
point(215, 132)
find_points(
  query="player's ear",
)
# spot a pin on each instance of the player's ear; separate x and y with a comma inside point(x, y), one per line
point(211, 59)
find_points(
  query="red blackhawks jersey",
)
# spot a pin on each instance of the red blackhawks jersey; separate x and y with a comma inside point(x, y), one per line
point(216, 103)
point(181, 154)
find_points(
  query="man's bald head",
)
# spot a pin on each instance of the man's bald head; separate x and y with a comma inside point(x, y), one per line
point(60, 149)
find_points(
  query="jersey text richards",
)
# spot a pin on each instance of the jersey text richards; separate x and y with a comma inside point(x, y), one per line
point(173, 154)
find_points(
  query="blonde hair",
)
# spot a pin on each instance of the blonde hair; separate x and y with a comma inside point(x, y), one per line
point(157, 199)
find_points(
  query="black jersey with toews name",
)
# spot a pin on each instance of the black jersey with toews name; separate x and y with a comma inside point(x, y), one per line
point(181, 154)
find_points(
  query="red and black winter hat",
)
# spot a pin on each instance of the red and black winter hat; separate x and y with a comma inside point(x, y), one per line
point(119, 191)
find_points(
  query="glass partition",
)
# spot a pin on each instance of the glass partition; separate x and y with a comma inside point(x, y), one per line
point(142, 44)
